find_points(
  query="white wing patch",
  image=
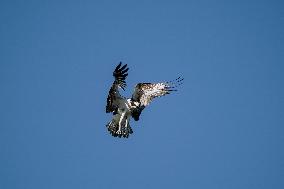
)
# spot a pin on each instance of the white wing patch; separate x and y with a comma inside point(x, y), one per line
point(146, 92)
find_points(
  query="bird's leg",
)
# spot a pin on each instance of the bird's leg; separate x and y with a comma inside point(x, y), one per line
point(126, 122)
point(119, 124)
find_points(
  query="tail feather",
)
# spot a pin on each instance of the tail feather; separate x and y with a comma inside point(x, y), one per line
point(113, 126)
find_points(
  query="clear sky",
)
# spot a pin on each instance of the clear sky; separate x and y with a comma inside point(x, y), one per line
point(223, 129)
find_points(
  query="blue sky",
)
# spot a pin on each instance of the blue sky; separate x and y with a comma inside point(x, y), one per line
point(222, 129)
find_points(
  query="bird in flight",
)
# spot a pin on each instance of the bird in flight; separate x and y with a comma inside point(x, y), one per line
point(125, 108)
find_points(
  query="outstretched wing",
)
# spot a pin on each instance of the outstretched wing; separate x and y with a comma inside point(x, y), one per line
point(120, 74)
point(144, 93)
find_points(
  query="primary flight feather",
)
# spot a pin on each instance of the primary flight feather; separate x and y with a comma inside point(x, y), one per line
point(125, 108)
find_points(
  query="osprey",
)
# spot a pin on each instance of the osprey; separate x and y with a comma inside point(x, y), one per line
point(125, 108)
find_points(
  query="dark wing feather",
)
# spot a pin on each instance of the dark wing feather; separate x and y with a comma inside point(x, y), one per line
point(144, 93)
point(119, 74)
point(135, 113)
